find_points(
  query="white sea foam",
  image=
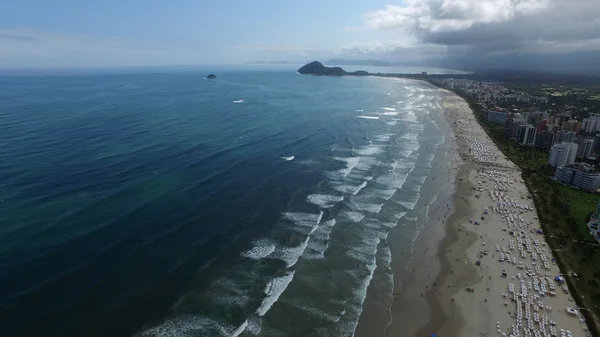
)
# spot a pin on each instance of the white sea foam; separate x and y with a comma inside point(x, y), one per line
point(349, 189)
point(288, 158)
point(371, 208)
point(290, 255)
point(273, 290)
point(353, 216)
point(386, 256)
point(410, 117)
point(392, 180)
point(320, 240)
point(366, 164)
point(260, 249)
point(383, 138)
point(240, 329)
point(254, 325)
point(191, 325)
point(415, 127)
point(368, 150)
point(411, 136)
point(305, 223)
point(385, 193)
point(324, 200)
point(240, 101)
point(399, 215)
point(368, 117)
point(408, 204)
point(351, 162)
point(361, 292)
point(409, 149)
point(388, 109)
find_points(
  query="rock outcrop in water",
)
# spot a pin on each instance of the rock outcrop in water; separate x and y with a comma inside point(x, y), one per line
point(316, 68)
point(211, 76)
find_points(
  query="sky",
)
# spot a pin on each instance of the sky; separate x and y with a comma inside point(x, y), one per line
point(81, 33)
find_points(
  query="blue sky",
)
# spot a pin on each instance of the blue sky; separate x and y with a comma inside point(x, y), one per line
point(80, 33)
point(113, 32)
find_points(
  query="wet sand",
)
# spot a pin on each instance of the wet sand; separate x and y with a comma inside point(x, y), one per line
point(414, 311)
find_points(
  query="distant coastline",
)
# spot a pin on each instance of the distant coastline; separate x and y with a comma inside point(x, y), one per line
point(316, 68)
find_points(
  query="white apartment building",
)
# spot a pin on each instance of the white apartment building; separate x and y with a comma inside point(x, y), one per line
point(562, 154)
point(591, 124)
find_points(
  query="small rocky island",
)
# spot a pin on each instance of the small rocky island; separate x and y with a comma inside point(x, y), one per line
point(317, 68)
point(211, 76)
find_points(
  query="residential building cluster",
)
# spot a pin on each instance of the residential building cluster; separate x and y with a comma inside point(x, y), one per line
point(563, 137)
point(579, 175)
point(491, 92)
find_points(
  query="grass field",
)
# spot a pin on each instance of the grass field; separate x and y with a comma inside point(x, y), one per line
point(580, 204)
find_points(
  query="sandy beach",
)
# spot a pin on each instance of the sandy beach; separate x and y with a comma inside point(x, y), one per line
point(497, 277)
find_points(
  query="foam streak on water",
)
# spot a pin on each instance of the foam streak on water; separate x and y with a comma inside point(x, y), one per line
point(273, 290)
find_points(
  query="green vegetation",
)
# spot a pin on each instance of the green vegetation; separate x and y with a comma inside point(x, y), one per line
point(563, 213)
point(581, 99)
point(581, 204)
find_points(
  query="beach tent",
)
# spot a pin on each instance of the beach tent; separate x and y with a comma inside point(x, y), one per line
point(572, 311)
point(434, 335)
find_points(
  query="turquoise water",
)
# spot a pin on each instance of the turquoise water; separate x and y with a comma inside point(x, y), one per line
point(164, 204)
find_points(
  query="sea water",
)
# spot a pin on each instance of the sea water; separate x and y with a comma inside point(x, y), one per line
point(165, 204)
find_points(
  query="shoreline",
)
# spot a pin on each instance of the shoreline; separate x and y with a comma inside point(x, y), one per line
point(503, 294)
point(412, 311)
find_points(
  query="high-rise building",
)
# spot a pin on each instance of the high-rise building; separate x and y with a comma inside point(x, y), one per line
point(562, 154)
point(544, 140)
point(521, 129)
point(580, 175)
point(591, 124)
point(526, 134)
point(597, 144)
point(584, 149)
point(542, 125)
point(572, 125)
point(567, 137)
point(508, 127)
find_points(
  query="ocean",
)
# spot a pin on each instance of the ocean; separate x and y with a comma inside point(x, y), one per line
point(161, 203)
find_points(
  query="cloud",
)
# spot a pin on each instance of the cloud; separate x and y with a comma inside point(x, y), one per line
point(492, 26)
point(370, 48)
point(392, 50)
point(450, 15)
